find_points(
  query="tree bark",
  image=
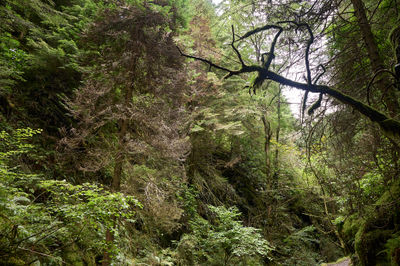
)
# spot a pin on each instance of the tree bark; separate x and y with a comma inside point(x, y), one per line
point(278, 129)
point(384, 83)
point(267, 143)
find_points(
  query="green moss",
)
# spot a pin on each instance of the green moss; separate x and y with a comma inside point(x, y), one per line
point(13, 261)
point(391, 128)
point(72, 255)
point(393, 249)
point(381, 224)
point(349, 230)
point(390, 194)
point(369, 245)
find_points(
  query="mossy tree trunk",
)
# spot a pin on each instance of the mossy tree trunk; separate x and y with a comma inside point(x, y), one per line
point(384, 83)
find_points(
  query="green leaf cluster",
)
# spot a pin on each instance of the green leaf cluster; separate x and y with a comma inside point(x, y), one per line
point(40, 216)
point(225, 239)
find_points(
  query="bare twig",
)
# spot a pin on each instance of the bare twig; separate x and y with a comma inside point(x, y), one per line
point(42, 254)
point(235, 49)
point(307, 57)
point(203, 60)
point(373, 79)
point(259, 29)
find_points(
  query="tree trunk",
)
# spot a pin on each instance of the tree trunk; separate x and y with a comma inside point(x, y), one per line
point(278, 129)
point(267, 143)
point(119, 162)
point(384, 83)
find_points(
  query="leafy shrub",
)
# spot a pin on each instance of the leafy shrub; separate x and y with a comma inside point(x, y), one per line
point(303, 247)
point(224, 241)
point(393, 249)
point(48, 220)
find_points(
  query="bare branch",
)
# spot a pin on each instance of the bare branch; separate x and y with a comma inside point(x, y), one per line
point(43, 254)
point(316, 105)
point(321, 74)
point(272, 49)
point(307, 56)
point(260, 29)
point(211, 64)
point(372, 80)
point(309, 43)
point(235, 49)
point(390, 126)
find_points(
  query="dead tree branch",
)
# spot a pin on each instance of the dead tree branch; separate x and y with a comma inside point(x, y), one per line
point(390, 126)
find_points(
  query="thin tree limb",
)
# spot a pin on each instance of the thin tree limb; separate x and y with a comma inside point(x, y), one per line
point(235, 49)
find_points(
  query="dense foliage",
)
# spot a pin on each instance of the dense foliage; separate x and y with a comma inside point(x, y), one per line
point(137, 132)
